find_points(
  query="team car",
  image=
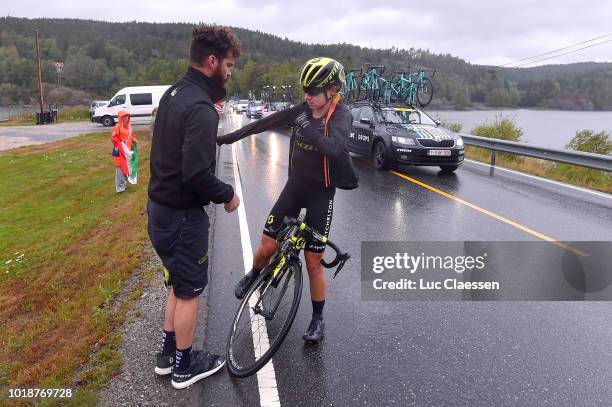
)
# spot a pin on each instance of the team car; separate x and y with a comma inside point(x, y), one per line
point(402, 135)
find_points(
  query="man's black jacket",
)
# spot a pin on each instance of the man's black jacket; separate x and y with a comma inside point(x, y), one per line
point(183, 150)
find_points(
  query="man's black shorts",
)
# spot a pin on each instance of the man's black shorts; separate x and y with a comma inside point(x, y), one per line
point(304, 193)
point(180, 238)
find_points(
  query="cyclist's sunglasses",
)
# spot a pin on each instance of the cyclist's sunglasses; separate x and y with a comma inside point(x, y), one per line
point(312, 91)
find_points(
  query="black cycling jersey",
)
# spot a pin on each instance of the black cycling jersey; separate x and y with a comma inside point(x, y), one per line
point(305, 158)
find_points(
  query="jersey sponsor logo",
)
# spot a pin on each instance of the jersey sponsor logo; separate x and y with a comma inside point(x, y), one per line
point(330, 211)
point(203, 259)
point(195, 290)
point(316, 247)
point(305, 146)
point(173, 92)
point(301, 242)
point(270, 219)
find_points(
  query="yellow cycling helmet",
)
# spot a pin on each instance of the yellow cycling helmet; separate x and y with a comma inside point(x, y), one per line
point(322, 73)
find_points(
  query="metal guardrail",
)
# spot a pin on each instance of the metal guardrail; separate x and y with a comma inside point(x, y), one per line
point(589, 160)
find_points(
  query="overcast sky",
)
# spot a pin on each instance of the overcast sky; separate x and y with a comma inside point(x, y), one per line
point(480, 31)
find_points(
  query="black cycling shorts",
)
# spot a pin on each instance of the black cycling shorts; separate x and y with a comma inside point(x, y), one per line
point(180, 238)
point(303, 193)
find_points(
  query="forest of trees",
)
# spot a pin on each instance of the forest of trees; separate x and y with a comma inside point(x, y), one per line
point(102, 57)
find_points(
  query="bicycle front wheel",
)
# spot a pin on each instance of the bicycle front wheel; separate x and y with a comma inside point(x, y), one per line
point(263, 319)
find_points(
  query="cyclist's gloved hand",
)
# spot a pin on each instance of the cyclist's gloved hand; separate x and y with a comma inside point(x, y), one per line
point(302, 121)
point(309, 133)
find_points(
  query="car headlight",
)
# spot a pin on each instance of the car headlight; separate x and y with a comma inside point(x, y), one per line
point(403, 140)
point(459, 142)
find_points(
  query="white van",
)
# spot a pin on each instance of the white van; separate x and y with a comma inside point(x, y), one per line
point(138, 101)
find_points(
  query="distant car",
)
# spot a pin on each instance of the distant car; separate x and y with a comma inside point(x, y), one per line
point(255, 108)
point(94, 105)
point(241, 105)
point(401, 135)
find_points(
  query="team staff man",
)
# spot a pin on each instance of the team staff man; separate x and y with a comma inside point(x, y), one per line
point(182, 182)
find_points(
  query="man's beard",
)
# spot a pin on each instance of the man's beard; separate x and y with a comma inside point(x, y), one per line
point(219, 77)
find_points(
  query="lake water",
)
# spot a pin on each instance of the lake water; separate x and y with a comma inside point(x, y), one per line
point(544, 128)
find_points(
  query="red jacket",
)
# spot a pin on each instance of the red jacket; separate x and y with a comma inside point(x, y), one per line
point(124, 134)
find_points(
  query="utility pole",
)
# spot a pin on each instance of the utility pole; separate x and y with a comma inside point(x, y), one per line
point(39, 70)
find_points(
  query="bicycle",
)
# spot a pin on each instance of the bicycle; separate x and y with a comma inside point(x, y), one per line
point(393, 89)
point(424, 86)
point(369, 87)
point(352, 81)
point(261, 322)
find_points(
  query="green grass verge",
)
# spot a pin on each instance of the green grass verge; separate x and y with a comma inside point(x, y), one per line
point(570, 174)
point(68, 243)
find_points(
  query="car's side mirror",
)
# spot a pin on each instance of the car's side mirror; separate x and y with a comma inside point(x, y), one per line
point(438, 122)
point(365, 120)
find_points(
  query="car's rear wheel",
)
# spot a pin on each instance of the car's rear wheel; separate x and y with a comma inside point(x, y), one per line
point(380, 156)
point(449, 168)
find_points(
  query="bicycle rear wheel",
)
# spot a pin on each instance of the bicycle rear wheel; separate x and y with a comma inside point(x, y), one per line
point(424, 92)
point(263, 319)
point(374, 93)
point(352, 94)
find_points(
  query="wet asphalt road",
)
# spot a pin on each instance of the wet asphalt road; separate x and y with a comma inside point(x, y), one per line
point(420, 353)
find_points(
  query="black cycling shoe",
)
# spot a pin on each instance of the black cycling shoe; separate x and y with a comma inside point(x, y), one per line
point(164, 364)
point(203, 364)
point(245, 283)
point(315, 331)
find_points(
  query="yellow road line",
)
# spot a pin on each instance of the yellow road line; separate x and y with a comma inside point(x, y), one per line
point(493, 215)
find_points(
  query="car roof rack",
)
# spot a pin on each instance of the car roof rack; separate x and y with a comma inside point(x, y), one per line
point(382, 105)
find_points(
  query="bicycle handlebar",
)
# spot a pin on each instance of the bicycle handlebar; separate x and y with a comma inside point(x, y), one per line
point(339, 260)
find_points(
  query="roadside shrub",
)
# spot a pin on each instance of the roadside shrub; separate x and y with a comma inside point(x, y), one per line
point(455, 127)
point(589, 142)
point(503, 128)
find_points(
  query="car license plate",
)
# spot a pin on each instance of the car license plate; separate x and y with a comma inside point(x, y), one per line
point(439, 152)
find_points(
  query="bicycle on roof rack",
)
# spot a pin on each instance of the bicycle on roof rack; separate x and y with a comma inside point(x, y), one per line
point(370, 85)
point(410, 88)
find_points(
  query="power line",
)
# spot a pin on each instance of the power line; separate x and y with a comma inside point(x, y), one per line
point(552, 52)
point(565, 53)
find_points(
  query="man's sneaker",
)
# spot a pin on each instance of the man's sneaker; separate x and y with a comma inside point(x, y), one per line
point(315, 331)
point(164, 364)
point(203, 364)
point(245, 283)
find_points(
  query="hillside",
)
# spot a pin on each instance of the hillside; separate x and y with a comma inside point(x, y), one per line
point(101, 57)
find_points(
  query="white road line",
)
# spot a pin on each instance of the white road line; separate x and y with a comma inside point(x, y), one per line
point(600, 194)
point(266, 377)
